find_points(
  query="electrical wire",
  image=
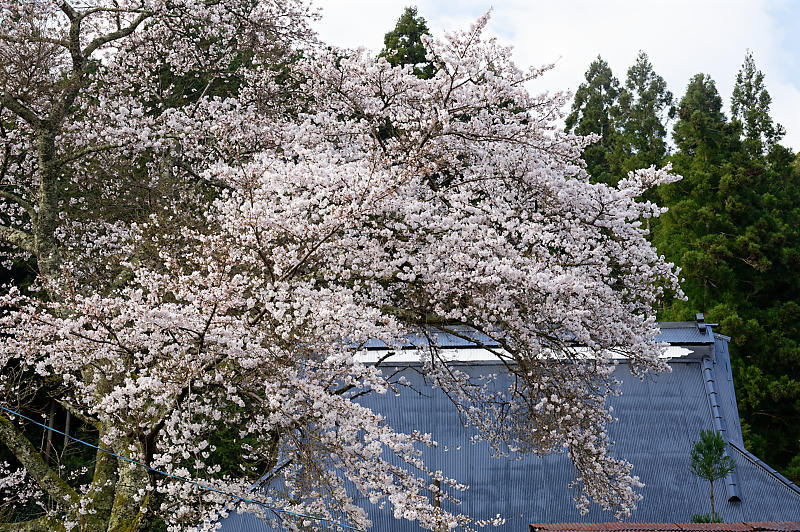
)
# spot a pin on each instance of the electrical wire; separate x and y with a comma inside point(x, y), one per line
point(182, 479)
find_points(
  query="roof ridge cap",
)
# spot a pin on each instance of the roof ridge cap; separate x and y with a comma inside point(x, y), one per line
point(766, 467)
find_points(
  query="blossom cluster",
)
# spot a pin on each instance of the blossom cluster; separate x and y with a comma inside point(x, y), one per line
point(226, 253)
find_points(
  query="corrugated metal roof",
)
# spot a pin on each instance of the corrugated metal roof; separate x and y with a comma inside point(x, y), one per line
point(460, 337)
point(684, 333)
point(666, 527)
point(660, 417)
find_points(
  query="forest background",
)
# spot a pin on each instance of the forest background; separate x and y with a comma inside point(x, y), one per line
point(733, 224)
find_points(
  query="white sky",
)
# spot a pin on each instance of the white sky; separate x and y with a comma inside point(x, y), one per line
point(682, 38)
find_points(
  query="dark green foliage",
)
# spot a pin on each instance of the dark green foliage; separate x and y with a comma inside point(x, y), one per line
point(733, 227)
point(750, 105)
point(705, 518)
point(709, 462)
point(403, 45)
point(645, 105)
point(592, 112)
point(701, 128)
point(695, 231)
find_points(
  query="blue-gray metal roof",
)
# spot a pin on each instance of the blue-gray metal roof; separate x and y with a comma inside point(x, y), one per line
point(685, 333)
point(678, 333)
point(660, 417)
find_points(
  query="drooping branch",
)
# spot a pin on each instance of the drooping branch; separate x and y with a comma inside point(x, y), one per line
point(35, 465)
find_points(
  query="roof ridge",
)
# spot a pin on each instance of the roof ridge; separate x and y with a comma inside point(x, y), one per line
point(763, 465)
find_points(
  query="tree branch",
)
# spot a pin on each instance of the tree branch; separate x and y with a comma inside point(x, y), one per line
point(28, 206)
point(35, 465)
point(29, 39)
point(42, 524)
point(78, 414)
point(88, 151)
point(69, 11)
point(113, 36)
point(116, 10)
point(17, 237)
point(20, 110)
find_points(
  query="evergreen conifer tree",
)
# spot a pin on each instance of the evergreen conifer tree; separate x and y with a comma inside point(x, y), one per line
point(709, 462)
point(645, 104)
point(403, 45)
point(732, 226)
point(750, 104)
point(693, 233)
point(592, 112)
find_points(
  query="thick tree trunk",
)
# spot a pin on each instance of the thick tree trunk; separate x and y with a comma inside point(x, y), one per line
point(114, 496)
point(48, 256)
point(129, 511)
point(103, 485)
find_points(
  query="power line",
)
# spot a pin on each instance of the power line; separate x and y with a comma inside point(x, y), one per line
point(177, 477)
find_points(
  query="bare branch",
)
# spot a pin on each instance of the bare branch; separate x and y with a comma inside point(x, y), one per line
point(116, 35)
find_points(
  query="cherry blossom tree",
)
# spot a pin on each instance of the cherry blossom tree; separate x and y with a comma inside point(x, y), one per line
point(222, 213)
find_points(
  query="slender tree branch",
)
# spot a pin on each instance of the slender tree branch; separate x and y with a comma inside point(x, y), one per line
point(35, 465)
point(115, 10)
point(78, 414)
point(88, 151)
point(115, 35)
point(28, 206)
point(30, 39)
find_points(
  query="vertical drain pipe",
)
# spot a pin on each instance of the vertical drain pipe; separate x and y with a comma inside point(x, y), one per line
point(731, 479)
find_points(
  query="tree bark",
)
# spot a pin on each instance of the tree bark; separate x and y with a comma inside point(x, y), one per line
point(48, 256)
point(32, 461)
point(713, 511)
point(42, 524)
point(103, 485)
point(48, 446)
point(128, 510)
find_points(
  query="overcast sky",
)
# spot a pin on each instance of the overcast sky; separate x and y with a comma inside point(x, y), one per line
point(682, 38)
